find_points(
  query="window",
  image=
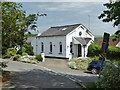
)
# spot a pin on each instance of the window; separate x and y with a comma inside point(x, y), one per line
point(70, 47)
point(80, 33)
point(50, 47)
point(42, 47)
point(60, 47)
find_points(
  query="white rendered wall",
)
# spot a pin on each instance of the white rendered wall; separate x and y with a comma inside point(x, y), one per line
point(55, 46)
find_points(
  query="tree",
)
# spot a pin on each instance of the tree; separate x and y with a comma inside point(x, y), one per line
point(15, 23)
point(112, 14)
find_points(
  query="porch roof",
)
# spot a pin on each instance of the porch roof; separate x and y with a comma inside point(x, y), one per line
point(81, 40)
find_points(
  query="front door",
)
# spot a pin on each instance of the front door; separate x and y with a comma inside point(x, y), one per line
point(79, 50)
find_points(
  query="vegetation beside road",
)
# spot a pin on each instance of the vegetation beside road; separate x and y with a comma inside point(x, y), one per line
point(25, 55)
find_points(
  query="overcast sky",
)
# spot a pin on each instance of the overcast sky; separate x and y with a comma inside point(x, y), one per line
point(68, 13)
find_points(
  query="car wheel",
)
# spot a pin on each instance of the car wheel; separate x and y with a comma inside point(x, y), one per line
point(94, 71)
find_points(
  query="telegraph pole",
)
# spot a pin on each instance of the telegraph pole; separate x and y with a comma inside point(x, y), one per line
point(89, 21)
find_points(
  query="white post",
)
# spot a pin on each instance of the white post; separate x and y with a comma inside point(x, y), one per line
point(70, 56)
point(118, 26)
point(43, 56)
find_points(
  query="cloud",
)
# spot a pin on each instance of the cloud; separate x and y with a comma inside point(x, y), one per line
point(58, 0)
point(67, 6)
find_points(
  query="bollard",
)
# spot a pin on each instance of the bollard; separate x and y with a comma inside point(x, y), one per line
point(43, 56)
point(70, 56)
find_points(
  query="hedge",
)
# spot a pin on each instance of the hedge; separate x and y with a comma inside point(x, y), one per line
point(113, 52)
point(95, 50)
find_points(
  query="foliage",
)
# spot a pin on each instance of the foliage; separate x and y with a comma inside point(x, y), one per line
point(80, 63)
point(6, 56)
point(112, 13)
point(115, 37)
point(15, 23)
point(11, 51)
point(24, 53)
point(3, 64)
point(16, 57)
point(28, 49)
point(90, 85)
point(28, 59)
point(19, 52)
point(30, 35)
point(72, 65)
point(94, 50)
point(23, 49)
point(109, 78)
point(113, 52)
point(98, 37)
point(39, 57)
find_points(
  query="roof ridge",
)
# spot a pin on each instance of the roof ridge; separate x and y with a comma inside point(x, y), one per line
point(66, 25)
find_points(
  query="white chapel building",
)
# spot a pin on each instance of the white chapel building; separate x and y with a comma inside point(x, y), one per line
point(63, 41)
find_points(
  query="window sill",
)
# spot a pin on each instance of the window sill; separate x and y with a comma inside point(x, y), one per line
point(60, 53)
point(50, 52)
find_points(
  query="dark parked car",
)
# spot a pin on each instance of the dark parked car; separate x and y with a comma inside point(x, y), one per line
point(94, 65)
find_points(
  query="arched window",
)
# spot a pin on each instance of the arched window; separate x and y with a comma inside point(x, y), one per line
point(60, 44)
point(42, 47)
point(50, 47)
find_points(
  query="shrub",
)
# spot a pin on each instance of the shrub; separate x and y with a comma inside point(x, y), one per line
point(39, 57)
point(94, 50)
point(23, 49)
point(28, 59)
point(19, 52)
point(72, 65)
point(24, 53)
point(80, 64)
point(113, 52)
point(109, 78)
point(11, 51)
point(28, 49)
point(15, 58)
point(3, 64)
point(6, 56)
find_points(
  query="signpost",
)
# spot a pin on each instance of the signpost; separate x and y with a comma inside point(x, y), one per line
point(104, 48)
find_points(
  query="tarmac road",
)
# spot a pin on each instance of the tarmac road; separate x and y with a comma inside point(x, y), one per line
point(26, 75)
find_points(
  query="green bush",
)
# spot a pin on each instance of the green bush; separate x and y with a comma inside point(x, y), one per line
point(94, 50)
point(23, 49)
point(113, 52)
point(6, 56)
point(11, 51)
point(24, 53)
point(3, 64)
point(15, 58)
point(19, 52)
point(79, 64)
point(28, 49)
point(39, 57)
point(109, 78)
point(72, 65)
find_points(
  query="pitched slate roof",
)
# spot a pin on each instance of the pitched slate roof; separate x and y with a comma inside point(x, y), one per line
point(59, 30)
